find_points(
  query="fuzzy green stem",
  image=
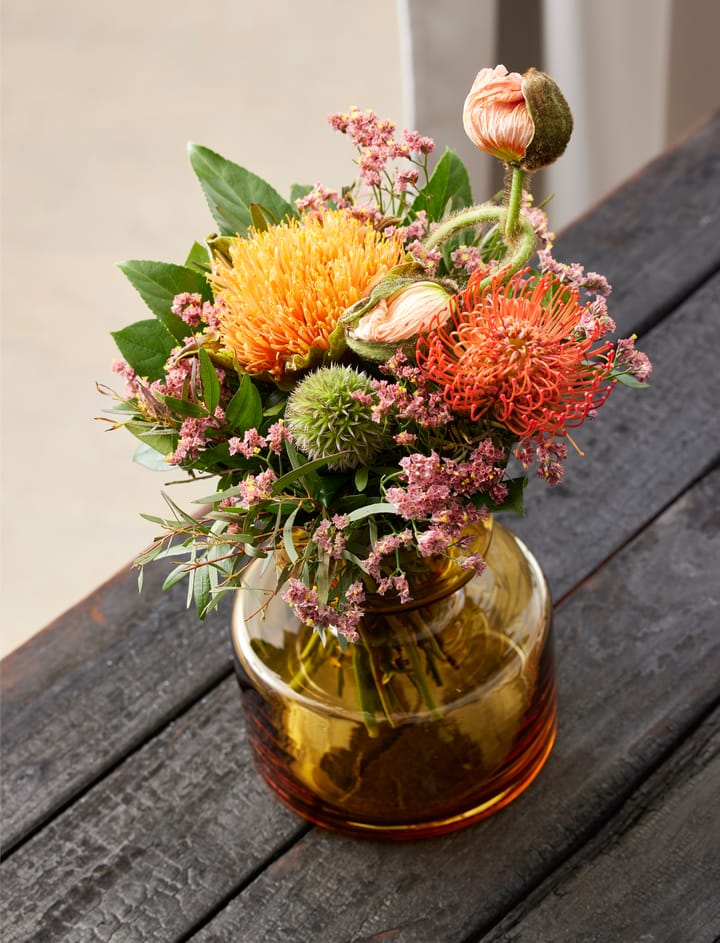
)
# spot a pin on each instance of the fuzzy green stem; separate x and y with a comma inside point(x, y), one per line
point(514, 201)
point(520, 247)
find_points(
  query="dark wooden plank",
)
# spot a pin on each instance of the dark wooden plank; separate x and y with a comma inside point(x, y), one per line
point(638, 655)
point(138, 662)
point(657, 237)
point(93, 686)
point(653, 874)
point(165, 837)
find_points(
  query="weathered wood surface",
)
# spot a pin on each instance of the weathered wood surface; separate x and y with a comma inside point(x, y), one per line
point(666, 836)
point(130, 811)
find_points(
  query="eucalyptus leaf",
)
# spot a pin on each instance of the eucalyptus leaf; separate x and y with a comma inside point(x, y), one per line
point(146, 346)
point(231, 189)
point(149, 457)
point(382, 507)
point(158, 283)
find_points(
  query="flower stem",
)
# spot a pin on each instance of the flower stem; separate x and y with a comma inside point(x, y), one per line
point(513, 203)
point(519, 248)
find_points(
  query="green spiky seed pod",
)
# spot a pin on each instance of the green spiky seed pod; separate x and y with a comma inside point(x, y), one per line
point(325, 418)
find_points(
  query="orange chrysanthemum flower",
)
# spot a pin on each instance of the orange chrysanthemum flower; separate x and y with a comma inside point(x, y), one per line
point(284, 289)
point(514, 354)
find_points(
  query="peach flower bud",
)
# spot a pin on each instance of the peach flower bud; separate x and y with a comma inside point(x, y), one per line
point(521, 119)
point(402, 315)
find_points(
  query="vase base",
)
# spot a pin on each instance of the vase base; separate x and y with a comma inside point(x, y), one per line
point(495, 796)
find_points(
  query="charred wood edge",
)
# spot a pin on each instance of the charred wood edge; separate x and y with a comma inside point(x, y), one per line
point(627, 810)
point(180, 709)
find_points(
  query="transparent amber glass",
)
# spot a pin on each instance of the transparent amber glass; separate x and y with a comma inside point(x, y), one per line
point(443, 714)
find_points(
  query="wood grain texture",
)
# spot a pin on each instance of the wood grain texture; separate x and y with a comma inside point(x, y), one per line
point(656, 237)
point(93, 686)
point(157, 844)
point(630, 688)
point(653, 873)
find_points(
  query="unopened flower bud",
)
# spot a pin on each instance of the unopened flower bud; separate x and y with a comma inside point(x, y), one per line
point(400, 317)
point(521, 119)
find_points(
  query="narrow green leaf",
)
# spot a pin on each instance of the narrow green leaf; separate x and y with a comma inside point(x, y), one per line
point(184, 407)
point(210, 382)
point(230, 189)
point(382, 507)
point(361, 477)
point(288, 542)
point(202, 591)
point(279, 484)
point(244, 411)
point(158, 283)
point(146, 346)
point(261, 217)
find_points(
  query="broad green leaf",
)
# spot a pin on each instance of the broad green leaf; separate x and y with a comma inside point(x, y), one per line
point(198, 258)
point(298, 191)
point(230, 189)
point(146, 345)
point(210, 382)
point(449, 184)
point(158, 283)
point(244, 411)
point(280, 483)
point(184, 407)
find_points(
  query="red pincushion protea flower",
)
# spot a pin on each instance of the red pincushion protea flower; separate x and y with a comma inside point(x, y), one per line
point(513, 353)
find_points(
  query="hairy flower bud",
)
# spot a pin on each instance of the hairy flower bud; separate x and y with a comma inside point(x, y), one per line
point(521, 119)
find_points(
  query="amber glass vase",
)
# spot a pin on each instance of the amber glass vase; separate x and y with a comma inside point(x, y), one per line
point(443, 713)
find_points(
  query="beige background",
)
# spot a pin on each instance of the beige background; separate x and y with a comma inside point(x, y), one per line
point(99, 100)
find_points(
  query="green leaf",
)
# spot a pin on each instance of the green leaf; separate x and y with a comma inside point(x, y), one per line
point(201, 590)
point(447, 189)
point(382, 507)
point(261, 217)
point(150, 458)
point(230, 189)
point(158, 283)
point(146, 346)
point(244, 411)
point(161, 440)
point(198, 258)
point(184, 407)
point(627, 379)
point(361, 477)
point(210, 382)
point(298, 191)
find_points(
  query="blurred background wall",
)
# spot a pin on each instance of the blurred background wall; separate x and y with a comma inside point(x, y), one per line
point(98, 102)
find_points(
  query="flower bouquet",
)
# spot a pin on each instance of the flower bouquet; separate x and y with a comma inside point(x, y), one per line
point(369, 374)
